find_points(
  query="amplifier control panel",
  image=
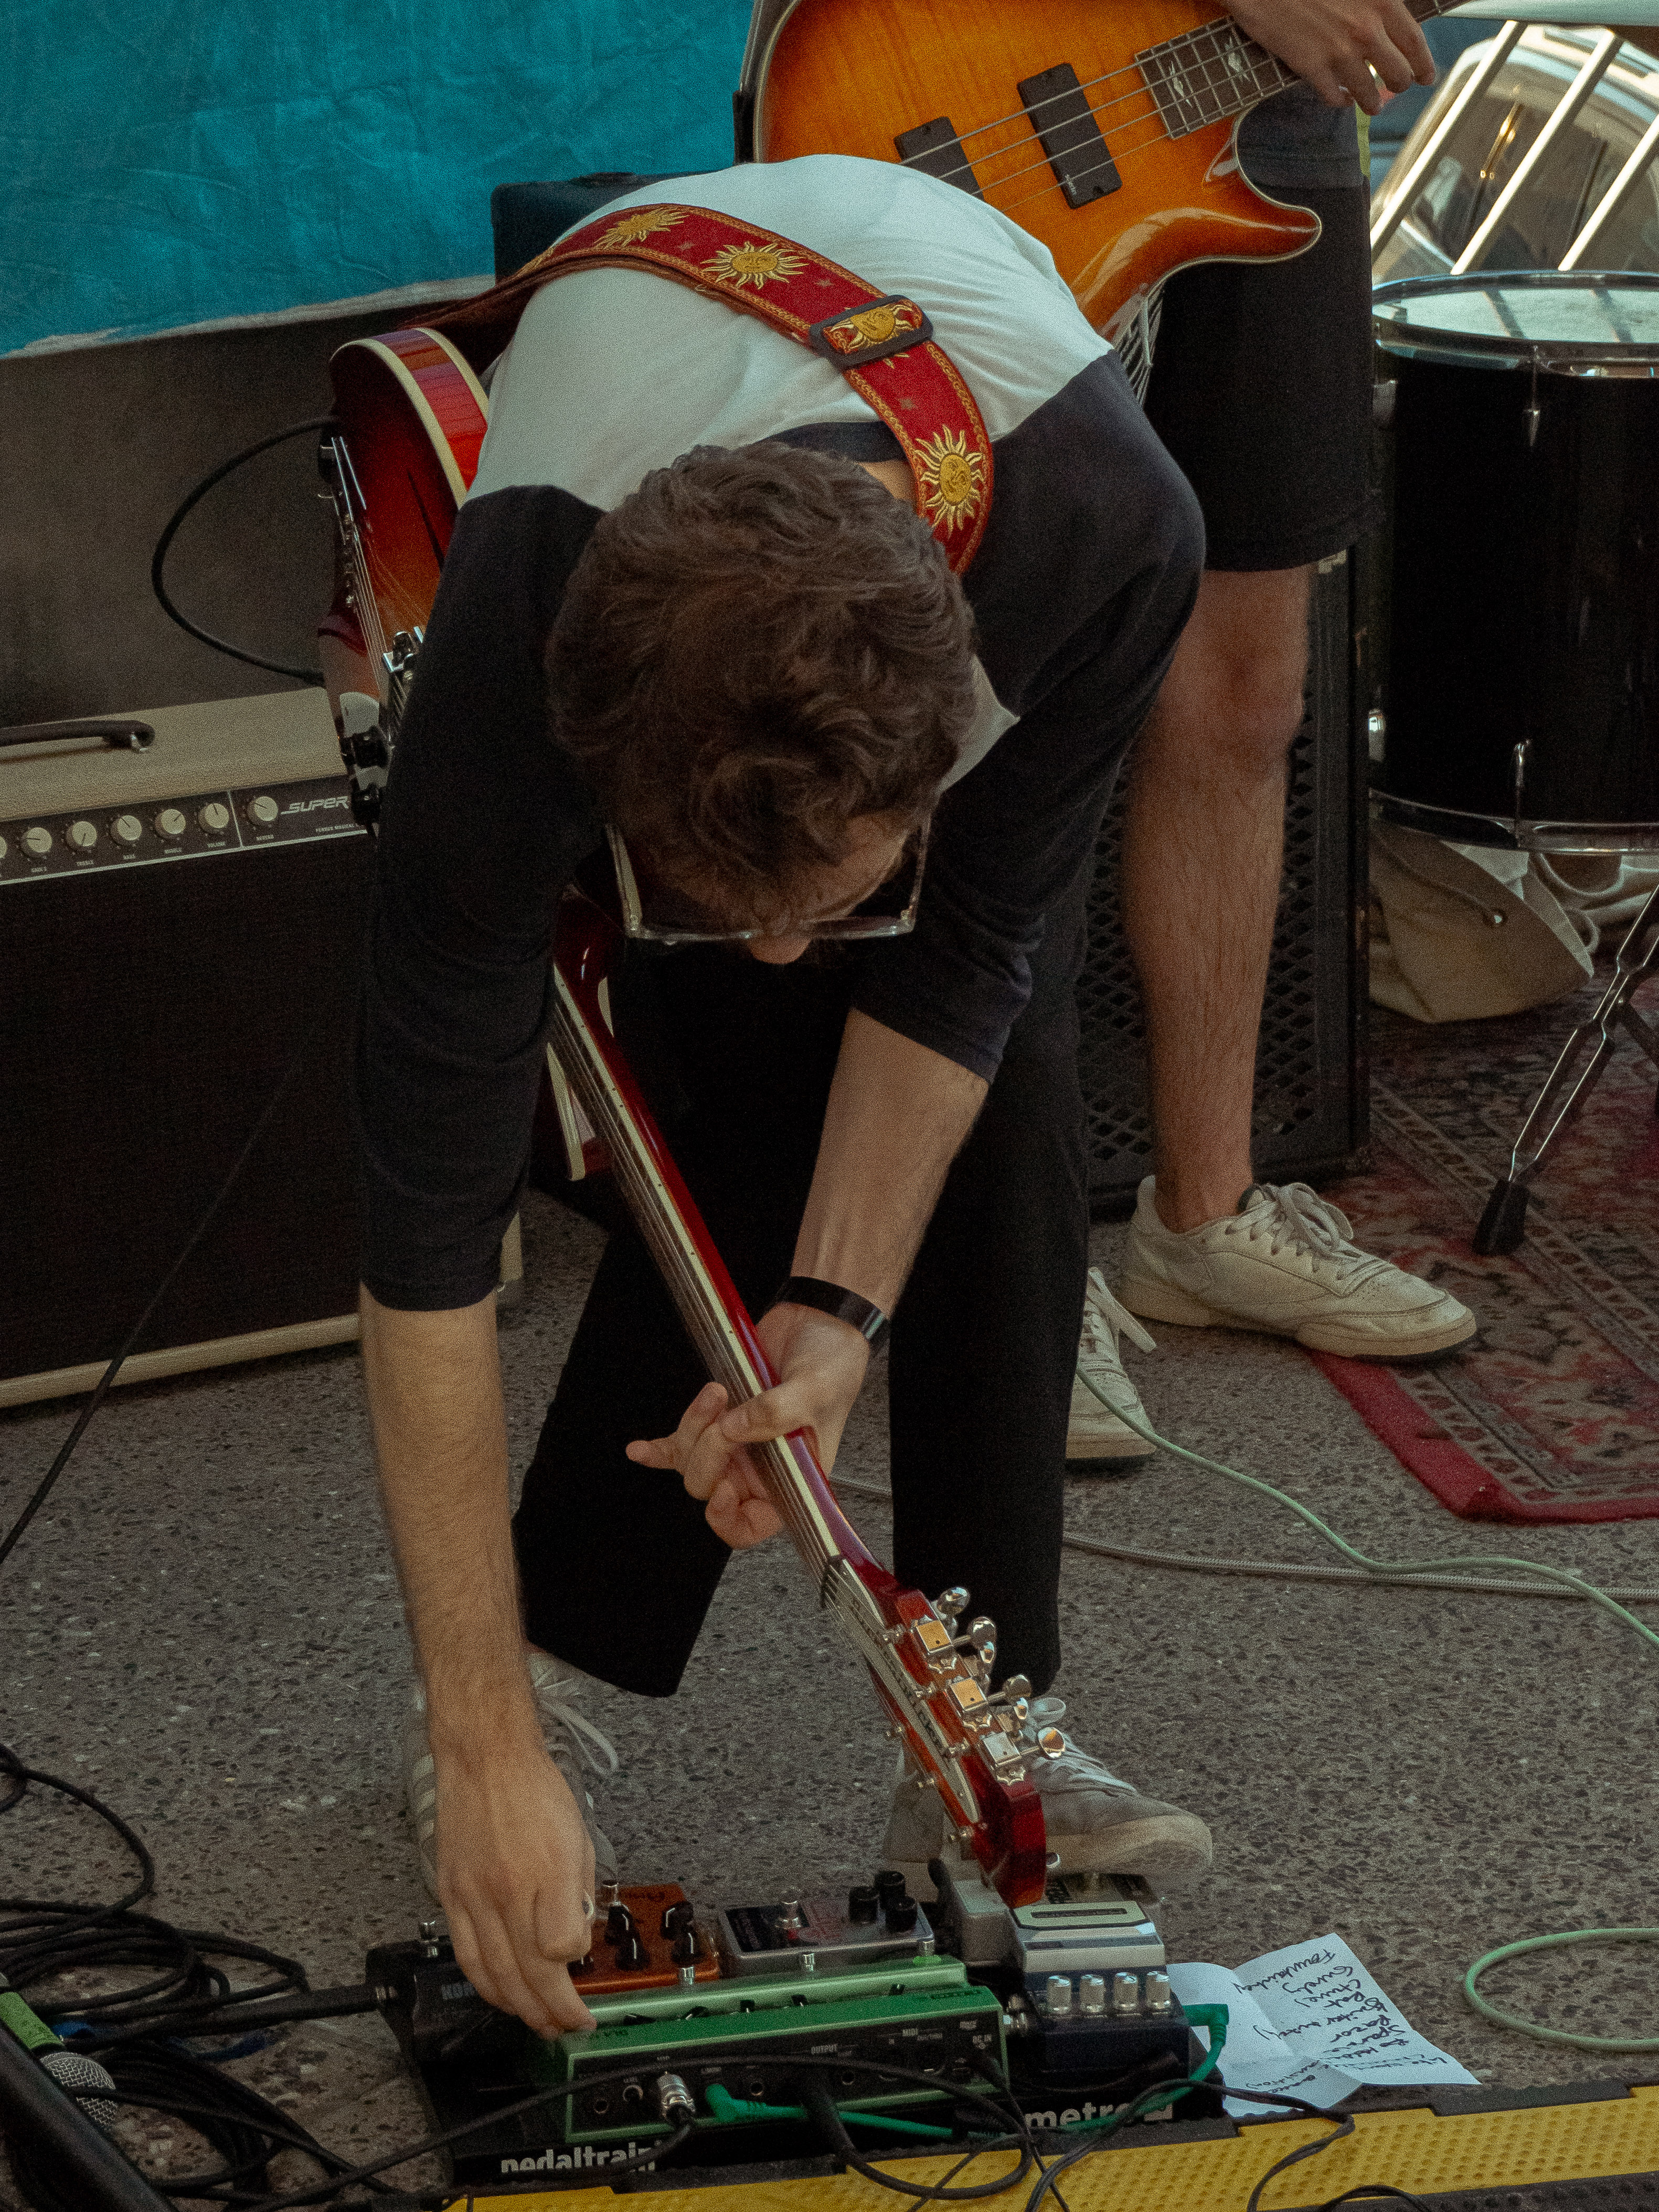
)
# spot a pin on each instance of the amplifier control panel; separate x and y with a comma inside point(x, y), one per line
point(197, 827)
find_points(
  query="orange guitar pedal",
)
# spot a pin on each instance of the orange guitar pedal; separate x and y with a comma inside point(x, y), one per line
point(646, 1936)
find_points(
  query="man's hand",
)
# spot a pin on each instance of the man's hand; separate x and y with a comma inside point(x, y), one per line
point(515, 1875)
point(1337, 45)
point(820, 1364)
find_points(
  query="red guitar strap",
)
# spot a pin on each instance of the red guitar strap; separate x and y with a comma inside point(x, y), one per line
point(882, 343)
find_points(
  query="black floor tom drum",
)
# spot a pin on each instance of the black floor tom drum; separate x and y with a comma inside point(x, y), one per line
point(1523, 663)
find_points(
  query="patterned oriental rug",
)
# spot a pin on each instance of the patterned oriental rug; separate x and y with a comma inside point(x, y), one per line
point(1553, 1415)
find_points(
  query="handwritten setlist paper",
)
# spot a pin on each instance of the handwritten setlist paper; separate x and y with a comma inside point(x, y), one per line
point(1310, 2021)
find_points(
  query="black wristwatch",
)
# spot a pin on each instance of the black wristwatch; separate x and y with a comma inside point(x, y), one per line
point(871, 1322)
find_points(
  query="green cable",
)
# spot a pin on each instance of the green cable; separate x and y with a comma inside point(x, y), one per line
point(1547, 1943)
point(725, 2106)
point(1382, 1569)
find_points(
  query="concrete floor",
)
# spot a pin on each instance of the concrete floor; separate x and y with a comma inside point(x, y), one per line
point(204, 1629)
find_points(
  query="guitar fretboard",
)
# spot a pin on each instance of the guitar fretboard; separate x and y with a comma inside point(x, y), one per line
point(1217, 70)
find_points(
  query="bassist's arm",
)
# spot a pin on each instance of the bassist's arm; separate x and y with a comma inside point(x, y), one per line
point(513, 1857)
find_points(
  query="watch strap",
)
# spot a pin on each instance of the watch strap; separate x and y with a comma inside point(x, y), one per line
point(872, 1323)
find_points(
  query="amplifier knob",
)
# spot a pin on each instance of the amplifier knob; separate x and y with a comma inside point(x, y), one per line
point(171, 824)
point(81, 837)
point(214, 818)
point(37, 842)
point(126, 829)
point(263, 811)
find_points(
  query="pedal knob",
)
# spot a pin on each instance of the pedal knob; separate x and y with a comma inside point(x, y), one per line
point(863, 1904)
point(619, 1925)
point(901, 1913)
point(631, 1952)
point(677, 1917)
point(688, 1946)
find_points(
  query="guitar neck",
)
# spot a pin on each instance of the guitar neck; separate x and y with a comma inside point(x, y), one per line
point(703, 1293)
point(1219, 70)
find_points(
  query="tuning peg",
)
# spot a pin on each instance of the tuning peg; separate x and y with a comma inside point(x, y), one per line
point(1017, 1686)
point(1051, 1743)
point(982, 1635)
point(949, 1603)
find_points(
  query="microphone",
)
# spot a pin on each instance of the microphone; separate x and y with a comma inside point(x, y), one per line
point(44, 2123)
point(73, 2070)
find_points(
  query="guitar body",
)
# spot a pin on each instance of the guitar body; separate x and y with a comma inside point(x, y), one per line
point(412, 417)
point(851, 76)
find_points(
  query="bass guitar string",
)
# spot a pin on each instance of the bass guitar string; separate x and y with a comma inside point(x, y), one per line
point(1221, 29)
point(1235, 105)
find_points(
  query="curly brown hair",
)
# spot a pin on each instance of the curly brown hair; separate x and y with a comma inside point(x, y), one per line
point(756, 649)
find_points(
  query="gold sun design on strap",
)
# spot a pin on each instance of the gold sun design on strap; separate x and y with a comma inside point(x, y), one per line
point(753, 264)
point(638, 224)
point(950, 476)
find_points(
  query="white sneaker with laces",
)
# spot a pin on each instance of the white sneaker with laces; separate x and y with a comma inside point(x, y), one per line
point(1097, 1822)
point(572, 1742)
point(1095, 1439)
point(1284, 1265)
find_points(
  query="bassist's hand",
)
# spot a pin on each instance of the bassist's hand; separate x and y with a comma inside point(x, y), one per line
point(820, 1364)
point(1336, 45)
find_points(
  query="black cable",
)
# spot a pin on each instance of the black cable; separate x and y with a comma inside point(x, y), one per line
point(158, 561)
point(105, 1381)
point(1367, 2189)
point(826, 2117)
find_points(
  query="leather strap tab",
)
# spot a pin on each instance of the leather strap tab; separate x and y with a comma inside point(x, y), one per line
point(882, 343)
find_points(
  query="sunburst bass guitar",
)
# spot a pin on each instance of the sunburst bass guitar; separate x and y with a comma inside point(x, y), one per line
point(1107, 128)
point(410, 417)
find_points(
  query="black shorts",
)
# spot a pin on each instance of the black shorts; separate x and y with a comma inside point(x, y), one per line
point(1262, 390)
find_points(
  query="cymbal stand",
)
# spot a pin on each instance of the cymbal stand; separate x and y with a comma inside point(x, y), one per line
point(1504, 1224)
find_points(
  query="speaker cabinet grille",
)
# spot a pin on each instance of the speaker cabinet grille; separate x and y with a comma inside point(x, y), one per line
point(146, 1016)
point(1311, 1119)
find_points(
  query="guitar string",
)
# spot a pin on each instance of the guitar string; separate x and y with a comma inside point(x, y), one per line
point(1219, 28)
point(685, 1290)
point(1031, 137)
point(634, 1170)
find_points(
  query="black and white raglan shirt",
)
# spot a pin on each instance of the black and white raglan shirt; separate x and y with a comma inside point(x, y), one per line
point(1085, 575)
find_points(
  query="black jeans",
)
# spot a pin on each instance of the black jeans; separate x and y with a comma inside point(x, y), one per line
point(616, 1563)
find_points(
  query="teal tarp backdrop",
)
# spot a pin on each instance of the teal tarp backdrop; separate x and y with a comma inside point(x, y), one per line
point(171, 162)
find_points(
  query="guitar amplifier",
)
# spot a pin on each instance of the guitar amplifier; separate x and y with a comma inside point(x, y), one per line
point(1311, 1120)
point(174, 922)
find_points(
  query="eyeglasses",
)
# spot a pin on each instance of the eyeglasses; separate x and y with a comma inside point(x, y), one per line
point(663, 915)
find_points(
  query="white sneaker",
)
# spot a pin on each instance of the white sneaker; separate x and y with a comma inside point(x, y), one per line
point(1284, 1265)
point(572, 1742)
point(1095, 1439)
point(1097, 1822)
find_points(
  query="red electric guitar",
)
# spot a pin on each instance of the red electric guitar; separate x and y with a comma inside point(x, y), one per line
point(410, 418)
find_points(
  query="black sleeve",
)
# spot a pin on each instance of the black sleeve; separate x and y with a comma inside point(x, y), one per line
point(482, 824)
point(1086, 576)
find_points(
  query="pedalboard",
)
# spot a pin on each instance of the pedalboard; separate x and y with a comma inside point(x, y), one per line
point(1063, 2000)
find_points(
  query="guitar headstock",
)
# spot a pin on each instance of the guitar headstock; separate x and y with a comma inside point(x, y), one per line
point(973, 1743)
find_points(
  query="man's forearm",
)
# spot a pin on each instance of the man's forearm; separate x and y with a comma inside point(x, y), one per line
point(898, 1115)
point(435, 1396)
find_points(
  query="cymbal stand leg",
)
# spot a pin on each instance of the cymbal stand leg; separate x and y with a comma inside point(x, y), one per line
point(1504, 1224)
